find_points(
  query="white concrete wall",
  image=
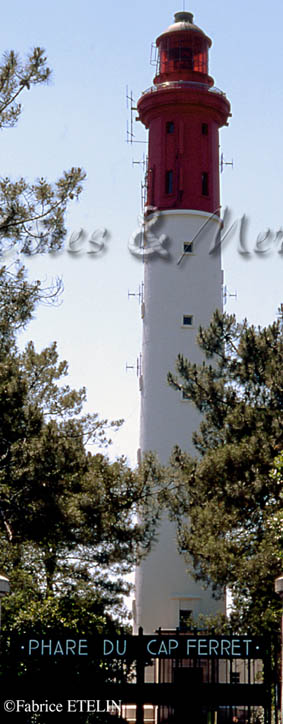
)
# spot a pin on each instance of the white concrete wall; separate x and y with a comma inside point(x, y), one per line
point(171, 290)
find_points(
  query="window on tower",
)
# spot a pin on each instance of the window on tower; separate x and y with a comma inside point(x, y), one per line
point(204, 184)
point(188, 320)
point(169, 182)
point(188, 247)
point(170, 127)
point(204, 129)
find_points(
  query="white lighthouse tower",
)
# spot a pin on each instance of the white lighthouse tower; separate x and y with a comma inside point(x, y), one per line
point(183, 112)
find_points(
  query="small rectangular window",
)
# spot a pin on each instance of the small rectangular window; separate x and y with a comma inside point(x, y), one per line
point(204, 129)
point(204, 184)
point(170, 127)
point(188, 247)
point(188, 320)
point(169, 182)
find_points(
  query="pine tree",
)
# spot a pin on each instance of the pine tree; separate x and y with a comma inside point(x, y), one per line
point(68, 517)
point(228, 499)
point(31, 214)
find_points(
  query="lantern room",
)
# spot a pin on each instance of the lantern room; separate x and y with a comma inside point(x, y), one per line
point(183, 52)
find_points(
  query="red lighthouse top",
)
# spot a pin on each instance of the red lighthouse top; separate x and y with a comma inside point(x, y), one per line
point(183, 112)
point(183, 52)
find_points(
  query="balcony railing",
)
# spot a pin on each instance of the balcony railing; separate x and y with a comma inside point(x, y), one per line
point(183, 84)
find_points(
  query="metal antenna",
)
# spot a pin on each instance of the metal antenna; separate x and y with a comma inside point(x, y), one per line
point(227, 294)
point(130, 135)
point(225, 163)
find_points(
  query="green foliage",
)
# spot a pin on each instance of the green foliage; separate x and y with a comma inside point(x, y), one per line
point(31, 214)
point(68, 517)
point(69, 529)
point(228, 500)
point(68, 525)
point(15, 76)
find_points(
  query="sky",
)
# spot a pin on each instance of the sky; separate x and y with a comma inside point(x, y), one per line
point(80, 119)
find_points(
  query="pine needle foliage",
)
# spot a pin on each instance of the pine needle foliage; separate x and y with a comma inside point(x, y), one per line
point(228, 499)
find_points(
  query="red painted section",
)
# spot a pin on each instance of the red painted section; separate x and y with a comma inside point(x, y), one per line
point(183, 114)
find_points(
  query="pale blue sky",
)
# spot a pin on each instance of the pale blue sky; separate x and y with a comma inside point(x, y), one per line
point(80, 119)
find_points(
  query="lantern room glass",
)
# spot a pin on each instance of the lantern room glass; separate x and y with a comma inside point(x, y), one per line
point(187, 53)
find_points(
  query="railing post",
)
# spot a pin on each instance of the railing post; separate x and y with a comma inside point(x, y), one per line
point(140, 682)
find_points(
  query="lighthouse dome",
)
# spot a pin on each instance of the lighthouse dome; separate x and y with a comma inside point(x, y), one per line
point(183, 52)
point(184, 21)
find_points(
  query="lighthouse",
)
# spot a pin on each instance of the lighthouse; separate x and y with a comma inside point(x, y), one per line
point(183, 112)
